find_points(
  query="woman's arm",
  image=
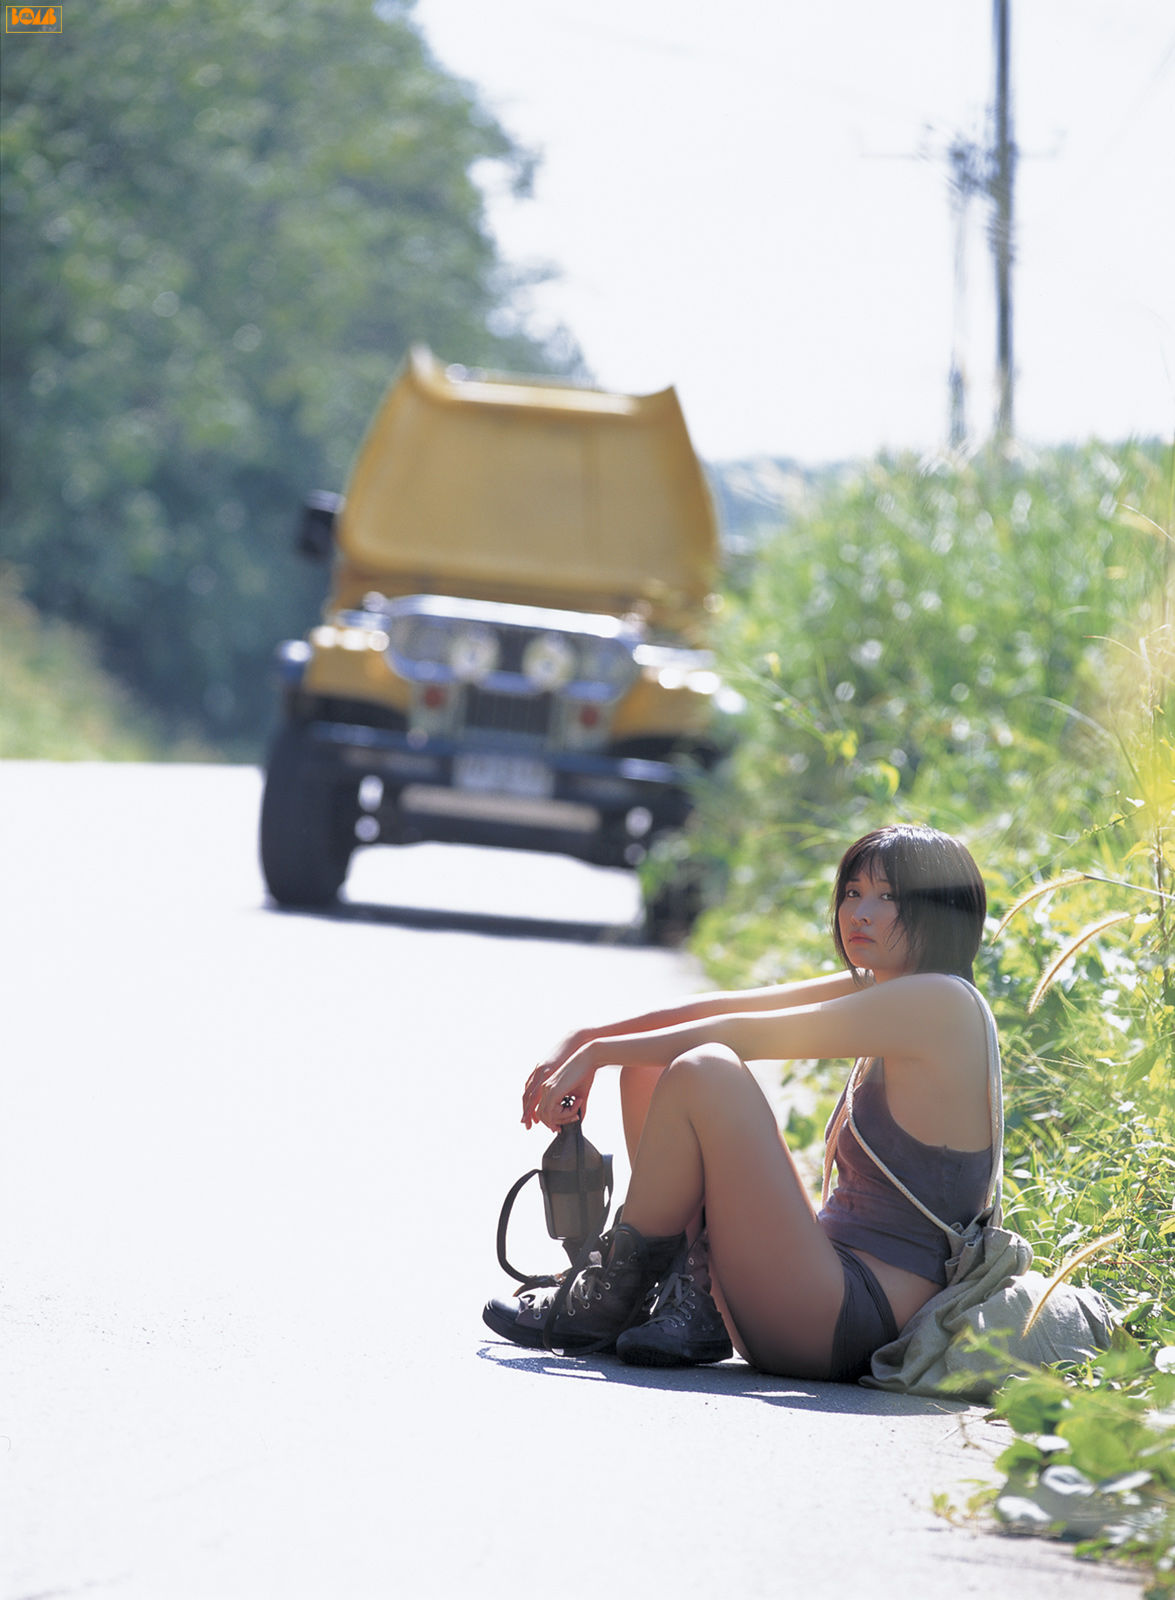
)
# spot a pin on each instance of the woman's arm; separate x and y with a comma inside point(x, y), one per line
point(695, 1009)
point(776, 996)
point(918, 1016)
point(723, 1002)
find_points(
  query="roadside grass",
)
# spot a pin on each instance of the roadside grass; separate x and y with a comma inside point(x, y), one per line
point(57, 703)
point(990, 648)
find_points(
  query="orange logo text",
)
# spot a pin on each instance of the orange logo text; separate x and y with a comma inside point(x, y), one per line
point(32, 19)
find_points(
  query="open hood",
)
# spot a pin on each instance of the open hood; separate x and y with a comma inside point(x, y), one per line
point(530, 491)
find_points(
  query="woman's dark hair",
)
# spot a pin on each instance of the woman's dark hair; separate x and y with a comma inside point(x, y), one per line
point(941, 901)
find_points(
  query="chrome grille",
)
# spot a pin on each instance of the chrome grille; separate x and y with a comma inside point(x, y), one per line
point(523, 716)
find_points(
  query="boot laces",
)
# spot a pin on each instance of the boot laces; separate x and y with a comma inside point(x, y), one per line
point(536, 1301)
point(587, 1286)
point(676, 1298)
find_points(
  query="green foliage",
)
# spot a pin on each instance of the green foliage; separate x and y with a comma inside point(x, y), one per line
point(925, 639)
point(1094, 1458)
point(991, 649)
point(58, 704)
point(223, 226)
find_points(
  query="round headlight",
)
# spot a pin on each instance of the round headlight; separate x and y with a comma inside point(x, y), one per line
point(473, 652)
point(549, 661)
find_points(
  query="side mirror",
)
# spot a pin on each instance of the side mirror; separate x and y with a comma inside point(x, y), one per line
point(316, 530)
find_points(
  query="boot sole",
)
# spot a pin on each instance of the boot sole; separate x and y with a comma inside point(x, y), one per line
point(643, 1355)
point(501, 1321)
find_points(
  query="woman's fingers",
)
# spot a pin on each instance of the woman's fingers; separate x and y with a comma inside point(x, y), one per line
point(553, 1105)
point(562, 1108)
point(565, 1094)
point(533, 1091)
point(551, 1082)
point(550, 1101)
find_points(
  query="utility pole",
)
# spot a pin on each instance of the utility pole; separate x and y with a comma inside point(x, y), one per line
point(988, 170)
point(1001, 187)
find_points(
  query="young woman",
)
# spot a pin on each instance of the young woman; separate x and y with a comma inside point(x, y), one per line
point(799, 1292)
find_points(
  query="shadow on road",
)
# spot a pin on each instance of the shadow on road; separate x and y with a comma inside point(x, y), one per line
point(733, 1378)
point(490, 924)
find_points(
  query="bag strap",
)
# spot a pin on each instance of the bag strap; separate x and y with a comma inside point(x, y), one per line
point(992, 1206)
point(526, 1280)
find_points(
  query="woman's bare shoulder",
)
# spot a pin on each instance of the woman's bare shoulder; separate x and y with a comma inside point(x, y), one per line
point(950, 1016)
point(940, 1094)
point(943, 991)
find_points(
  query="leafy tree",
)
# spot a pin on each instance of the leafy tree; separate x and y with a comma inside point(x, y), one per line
point(224, 224)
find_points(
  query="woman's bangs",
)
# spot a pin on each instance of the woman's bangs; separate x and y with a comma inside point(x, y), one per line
point(871, 859)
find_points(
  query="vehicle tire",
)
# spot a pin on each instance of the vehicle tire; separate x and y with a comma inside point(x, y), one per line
point(672, 909)
point(306, 825)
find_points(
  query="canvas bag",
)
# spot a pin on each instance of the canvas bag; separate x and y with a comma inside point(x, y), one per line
point(990, 1289)
point(576, 1184)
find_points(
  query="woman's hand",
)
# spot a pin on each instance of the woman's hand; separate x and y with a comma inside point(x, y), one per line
point(557, 1090)
point(558, 1058)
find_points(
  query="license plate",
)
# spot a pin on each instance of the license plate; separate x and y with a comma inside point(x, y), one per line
point(487, 773)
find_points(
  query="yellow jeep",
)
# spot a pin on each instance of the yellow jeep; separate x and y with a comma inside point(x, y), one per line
point(510, 652)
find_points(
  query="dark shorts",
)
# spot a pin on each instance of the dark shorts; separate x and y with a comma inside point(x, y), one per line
point(865, 1322)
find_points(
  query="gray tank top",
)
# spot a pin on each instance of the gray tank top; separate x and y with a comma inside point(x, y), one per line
point(867, 1213)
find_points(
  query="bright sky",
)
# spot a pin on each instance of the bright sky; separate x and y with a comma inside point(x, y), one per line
point(750, 201)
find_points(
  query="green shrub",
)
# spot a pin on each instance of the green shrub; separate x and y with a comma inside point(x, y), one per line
point(59, 705)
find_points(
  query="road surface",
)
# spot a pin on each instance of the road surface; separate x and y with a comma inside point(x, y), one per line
point(250, 1166)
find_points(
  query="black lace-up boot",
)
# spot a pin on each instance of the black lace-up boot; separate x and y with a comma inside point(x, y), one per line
point(605, 1297)
point(685, 1328)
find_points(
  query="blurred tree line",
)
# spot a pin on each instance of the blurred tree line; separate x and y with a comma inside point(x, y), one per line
point(224, 223)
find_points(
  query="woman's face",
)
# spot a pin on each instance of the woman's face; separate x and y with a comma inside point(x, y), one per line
point(873, 937)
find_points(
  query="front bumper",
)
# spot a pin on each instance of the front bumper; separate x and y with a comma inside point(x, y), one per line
point(598, 807)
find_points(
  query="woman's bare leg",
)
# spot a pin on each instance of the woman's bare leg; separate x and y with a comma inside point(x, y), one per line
point(637, 1085)
point(636, 1092)
point(710, 1135)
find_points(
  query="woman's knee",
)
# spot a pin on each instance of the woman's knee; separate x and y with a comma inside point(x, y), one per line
point(713, 1088)
point(708, 1060)
point(707, 1069)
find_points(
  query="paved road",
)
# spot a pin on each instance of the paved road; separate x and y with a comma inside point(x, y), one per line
point(250, 1165)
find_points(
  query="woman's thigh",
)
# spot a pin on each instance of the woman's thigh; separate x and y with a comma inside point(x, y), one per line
point(780, 1281)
